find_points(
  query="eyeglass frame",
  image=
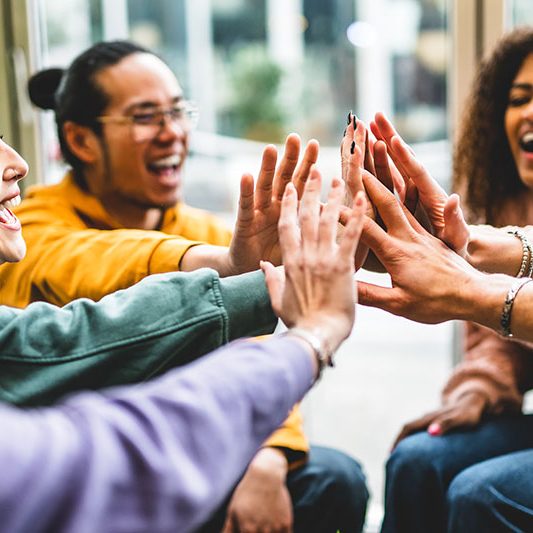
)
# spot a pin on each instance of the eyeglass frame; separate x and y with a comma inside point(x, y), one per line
point(187, 107)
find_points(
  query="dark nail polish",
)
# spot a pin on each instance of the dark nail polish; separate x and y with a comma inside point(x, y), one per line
point(354, 122)
point(349, 118)
point(344, 134)
point(352, 148)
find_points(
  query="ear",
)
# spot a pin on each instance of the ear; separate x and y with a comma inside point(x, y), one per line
point(82, 141)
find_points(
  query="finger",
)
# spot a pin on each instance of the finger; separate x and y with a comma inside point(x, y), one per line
point(417, 173)
point(381, 162)
point(287, 165)
point(327, 226)
point(376, 296)
point(275, 282)
point(411, 196)
point(353, 175)
point(369, 154)
point(245, 213)
point(458, 418)
point(456, 233)
point(420, 424)
point(303, 170)
point(352, 232)
point(289, 232)
point(310, 208)
point(266, 176)
point(386, 204)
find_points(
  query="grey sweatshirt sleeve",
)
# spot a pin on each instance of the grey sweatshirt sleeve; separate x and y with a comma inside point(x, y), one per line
point(129, 336)
point(157, 457)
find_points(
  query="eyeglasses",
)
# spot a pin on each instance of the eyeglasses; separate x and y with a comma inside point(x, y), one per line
point(146, 125)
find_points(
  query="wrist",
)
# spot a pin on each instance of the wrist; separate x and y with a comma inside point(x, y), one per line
point(270, 461)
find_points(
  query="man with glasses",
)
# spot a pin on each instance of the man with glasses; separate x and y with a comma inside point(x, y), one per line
point(118, 216)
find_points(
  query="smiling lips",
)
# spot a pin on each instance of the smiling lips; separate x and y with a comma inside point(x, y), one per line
point(165, 165)
point(6, 216)
point(526, 142)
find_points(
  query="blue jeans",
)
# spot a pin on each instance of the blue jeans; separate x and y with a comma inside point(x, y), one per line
point(328, 494)
point(463, 481)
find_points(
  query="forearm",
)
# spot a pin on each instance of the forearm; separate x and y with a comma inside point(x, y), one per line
point(494, 250)
point(205, 255)
point(482, 299)
point(158, 443)
point(129, 336)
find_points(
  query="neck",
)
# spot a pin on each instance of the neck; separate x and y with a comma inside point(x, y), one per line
point(131, 215)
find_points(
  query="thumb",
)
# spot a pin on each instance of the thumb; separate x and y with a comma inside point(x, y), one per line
point(456, 233)
point(275, 282)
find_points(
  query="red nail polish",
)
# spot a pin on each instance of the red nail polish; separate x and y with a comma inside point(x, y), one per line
point(434, 429)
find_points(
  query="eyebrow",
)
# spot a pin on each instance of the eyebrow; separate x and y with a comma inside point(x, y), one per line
point(524, 86)
point(151, 105)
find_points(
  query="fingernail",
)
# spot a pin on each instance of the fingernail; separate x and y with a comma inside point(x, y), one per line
point(354, 122)
point(434, 429)
point(352, 147)
point(349, 118)
point(344, 133)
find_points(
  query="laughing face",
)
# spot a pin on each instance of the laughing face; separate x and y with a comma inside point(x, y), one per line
point(12, 169)
point(137, 168)
point(519, 121)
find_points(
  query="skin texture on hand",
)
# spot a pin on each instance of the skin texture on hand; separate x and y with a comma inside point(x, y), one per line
point(261, 502)
point(464, 411)
point(443, 211)
point(317, 290)
point(255, 236)
point(425, 273)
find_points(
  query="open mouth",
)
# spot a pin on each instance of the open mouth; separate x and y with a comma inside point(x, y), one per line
point(526, 142)
point(6, 215)
point(166, 165)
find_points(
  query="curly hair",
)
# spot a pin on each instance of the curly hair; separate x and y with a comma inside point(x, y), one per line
point(484, 170)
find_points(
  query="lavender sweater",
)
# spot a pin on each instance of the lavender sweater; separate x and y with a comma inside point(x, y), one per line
point(157, 457)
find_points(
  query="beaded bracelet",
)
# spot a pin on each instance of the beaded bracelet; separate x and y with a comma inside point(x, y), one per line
point(505, 319)
point(526, 266)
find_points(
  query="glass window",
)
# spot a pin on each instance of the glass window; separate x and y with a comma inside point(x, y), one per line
point(521, 12)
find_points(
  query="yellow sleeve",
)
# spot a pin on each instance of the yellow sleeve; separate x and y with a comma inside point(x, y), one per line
point(64, 262)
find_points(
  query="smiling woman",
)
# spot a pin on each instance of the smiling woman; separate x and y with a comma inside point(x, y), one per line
point(12, 169)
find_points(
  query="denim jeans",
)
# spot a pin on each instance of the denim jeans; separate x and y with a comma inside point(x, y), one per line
point(463, 481)
point(328, 494)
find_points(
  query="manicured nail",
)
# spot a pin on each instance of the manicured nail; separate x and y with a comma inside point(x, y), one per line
point(354, 122)
point(352, 147)
point(349, 118)
point(434, 429)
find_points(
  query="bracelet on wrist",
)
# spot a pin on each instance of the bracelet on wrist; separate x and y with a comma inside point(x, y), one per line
point(526, 265)
point(323, 354)
point(505, 319)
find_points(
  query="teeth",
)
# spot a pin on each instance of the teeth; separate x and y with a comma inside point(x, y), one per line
point(170, 161)
point(11, 204)
point(528, 137)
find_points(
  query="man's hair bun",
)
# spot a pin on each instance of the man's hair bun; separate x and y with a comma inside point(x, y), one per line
point(42, 87)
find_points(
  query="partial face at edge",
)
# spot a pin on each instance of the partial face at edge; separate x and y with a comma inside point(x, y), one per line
point(12, 169)
point(519, 121)
point(146, 173)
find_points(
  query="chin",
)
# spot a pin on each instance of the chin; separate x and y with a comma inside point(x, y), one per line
point(12, 252)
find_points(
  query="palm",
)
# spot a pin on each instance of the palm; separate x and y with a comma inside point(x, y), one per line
point(256, 231)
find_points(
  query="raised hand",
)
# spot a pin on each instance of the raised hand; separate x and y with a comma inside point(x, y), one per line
point(443, 211)
point(255, 236)
point(317, 290)
point(425, 273)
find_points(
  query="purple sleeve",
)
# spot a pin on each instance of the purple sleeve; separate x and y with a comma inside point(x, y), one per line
point(155, 457)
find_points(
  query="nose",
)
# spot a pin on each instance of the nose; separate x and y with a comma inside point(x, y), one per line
point(14, 166)
point(171, 129)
